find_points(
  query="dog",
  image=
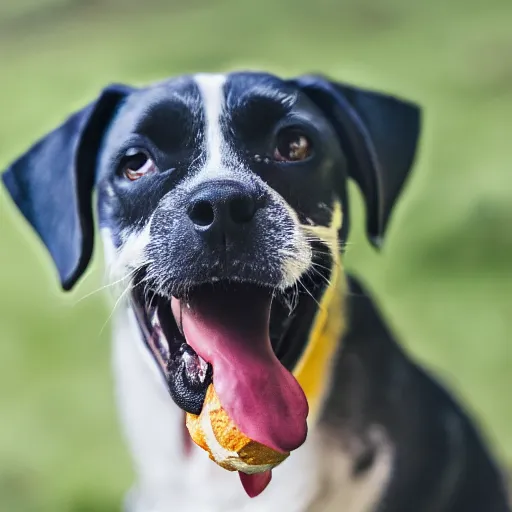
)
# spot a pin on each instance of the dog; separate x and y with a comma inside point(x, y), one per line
point(223, 209)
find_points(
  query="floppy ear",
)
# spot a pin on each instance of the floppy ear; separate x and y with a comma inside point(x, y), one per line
point(378, 134)
point(52, 184)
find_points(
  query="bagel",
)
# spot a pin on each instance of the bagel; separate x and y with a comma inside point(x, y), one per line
point(214, 431)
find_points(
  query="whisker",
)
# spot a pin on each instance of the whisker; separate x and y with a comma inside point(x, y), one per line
point(127, 289)
point(315, 267)
point(324, 267)
point(290, 299)
point(324, 278)
point(309, 293)
point(104, 287)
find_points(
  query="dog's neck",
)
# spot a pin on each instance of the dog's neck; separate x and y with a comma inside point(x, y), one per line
point(314, 368)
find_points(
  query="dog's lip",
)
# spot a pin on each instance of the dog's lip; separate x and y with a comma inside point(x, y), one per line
point(186, 374)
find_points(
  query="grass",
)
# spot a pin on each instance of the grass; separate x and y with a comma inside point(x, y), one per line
point(444, 278)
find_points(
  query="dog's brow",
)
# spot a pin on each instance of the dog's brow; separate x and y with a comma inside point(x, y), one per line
point(254, 115)
point(169, 122)
point(266, 98)
point(270, 95)
point(259, 106)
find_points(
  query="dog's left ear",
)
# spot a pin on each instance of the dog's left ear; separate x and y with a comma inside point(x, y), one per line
point(379, 136)
point(52, 184)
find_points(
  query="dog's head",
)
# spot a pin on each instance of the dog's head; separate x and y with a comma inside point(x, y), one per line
point(223, 199)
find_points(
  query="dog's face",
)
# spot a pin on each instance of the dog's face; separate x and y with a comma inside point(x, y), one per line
point(224, 200)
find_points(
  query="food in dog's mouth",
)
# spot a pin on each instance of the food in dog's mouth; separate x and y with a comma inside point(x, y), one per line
point(221, 334)
point(215, 432)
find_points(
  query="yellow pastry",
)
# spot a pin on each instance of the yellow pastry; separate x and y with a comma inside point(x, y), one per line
point(214, 431)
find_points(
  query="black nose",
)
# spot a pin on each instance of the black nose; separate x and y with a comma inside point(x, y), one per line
point(222, 206)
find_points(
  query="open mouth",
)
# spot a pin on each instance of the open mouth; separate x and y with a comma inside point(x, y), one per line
point(240, 337)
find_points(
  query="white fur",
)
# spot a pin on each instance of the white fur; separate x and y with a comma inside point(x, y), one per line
point(211, 88)
point(123, 261)
point(340, 490)
point(296, 259)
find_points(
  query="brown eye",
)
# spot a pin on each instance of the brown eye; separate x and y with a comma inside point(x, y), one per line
point(292, 146)
point(136, 164)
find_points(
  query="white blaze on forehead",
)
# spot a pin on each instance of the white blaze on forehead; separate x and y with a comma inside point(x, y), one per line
point(211, 88)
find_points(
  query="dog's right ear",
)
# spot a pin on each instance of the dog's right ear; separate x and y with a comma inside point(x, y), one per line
point(52, 184)
point(379, 134)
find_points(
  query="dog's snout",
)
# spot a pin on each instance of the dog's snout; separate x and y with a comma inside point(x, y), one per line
point(222, 206)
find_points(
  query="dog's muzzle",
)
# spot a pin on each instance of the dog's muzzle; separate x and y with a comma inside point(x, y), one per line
point(224, 230)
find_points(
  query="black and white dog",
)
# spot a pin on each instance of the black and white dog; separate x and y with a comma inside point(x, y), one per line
point(222, 202)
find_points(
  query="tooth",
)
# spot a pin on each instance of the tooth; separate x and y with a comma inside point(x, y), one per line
point(196, 368)
point(179, 321)
point(162, 343)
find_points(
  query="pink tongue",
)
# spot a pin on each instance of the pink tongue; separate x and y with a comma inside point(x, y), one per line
point(255, 484)
point(230, 330)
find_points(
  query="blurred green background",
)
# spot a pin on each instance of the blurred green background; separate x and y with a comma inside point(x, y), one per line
point(444, 278)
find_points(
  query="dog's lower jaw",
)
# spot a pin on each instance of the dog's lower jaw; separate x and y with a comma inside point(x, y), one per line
point(167, 477)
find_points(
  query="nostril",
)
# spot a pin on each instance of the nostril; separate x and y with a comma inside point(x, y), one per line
point(242, 209)
point(201, 213)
